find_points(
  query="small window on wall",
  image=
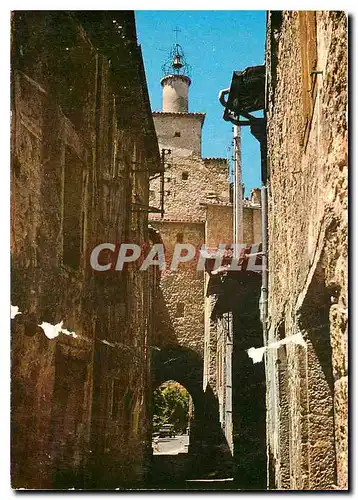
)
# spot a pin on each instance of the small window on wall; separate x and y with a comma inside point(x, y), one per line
point(72, 208)
point(168, 179)
point(177, 134)
point(168, 193)
point(185, 176)
point(180, 238)
point(151, 194)
point(180, 310)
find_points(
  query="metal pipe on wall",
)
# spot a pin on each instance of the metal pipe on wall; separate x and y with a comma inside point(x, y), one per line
point(238, 229)
point(228, 382)
point(264, 286)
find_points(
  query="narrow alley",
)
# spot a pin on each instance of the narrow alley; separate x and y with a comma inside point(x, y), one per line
point(179, 321)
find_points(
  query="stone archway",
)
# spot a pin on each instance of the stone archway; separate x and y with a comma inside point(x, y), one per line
point(209, 454)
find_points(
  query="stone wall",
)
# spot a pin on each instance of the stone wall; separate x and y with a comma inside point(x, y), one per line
point(181, 131)
point(198, 210)
point(188, 184)
point(306, 58)
point(180, 299)
point(190, 181)
point(79, 404)
point(219, 225)
point(252, 223)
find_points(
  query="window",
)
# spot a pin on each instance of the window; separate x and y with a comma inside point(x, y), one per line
point(180, 310)
point(176, 134)
point(168, 179)
point(212, 195)
point(72, 210)
point(308, 36)
point(151, 194)
point(168, 193)
point(180, 238)
point(185, 176)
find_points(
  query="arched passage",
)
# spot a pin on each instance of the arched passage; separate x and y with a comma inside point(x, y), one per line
point(209, 454)
point(183, 365)
point(172, 411)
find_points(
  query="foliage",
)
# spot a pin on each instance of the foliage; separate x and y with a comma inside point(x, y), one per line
point(171, 406)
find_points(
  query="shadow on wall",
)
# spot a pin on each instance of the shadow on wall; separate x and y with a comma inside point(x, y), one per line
point(314, 319)
point(318, 392)
point(163, 330)
point(209, 455)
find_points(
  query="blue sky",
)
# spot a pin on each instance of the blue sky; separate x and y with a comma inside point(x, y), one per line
point(215, 44)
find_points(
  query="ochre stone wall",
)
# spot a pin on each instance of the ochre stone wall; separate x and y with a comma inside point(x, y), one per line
point(252, 223)
point(79, 405)
point(180, 306)
point(181, 131)
point(219, 223)
point(198, 210)
point(256, 224)
point(308, 168)
point(190, 182)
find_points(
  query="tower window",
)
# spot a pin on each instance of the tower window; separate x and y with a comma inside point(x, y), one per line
point(185, 176)
point(151, 194)
point(168, 193)
point(168, 179)
point(180, 310)
point(180, 238)
point(176, 134)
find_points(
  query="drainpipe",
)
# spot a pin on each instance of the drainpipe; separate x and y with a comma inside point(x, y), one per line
point(264, 286)
point(228, 381)
point(238, 210)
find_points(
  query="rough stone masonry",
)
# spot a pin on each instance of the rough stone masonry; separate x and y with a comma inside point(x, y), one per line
point(307, 421)
point(83, 147)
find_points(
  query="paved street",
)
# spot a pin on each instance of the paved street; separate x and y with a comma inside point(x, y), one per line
point(171, 446)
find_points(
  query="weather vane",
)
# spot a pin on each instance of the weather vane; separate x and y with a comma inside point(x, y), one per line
point(176, 30)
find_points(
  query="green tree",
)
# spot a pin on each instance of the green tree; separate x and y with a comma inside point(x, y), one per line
point(171, 406)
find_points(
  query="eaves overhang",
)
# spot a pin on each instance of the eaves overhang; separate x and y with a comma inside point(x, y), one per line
point(246, 93)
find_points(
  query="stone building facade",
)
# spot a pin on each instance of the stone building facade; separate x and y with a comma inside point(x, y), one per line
point(307, 168)
point(197, 210)
point(83, 149)
point(190, 181)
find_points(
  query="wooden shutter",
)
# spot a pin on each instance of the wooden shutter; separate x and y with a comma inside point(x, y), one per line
point(308, 39)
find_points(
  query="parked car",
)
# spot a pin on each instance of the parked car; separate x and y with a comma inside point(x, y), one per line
point(167, 430)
